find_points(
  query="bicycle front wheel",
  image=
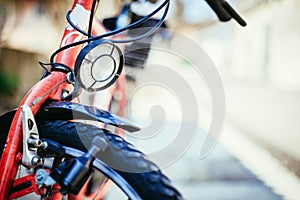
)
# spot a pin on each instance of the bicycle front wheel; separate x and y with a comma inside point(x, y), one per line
point(132, 165)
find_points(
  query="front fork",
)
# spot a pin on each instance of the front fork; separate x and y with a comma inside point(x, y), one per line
point(10, 159)
point(71, 175)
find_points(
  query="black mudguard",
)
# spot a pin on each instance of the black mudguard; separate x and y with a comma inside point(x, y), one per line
point(69, 111)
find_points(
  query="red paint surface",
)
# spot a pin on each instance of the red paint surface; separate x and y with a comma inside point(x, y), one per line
point(48, 88)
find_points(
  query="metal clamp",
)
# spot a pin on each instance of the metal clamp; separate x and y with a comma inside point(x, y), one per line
point(31, 140)
point(43, 178)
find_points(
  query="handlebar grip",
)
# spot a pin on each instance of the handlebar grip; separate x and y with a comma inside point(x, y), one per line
point(222, 14)
point(234, 14)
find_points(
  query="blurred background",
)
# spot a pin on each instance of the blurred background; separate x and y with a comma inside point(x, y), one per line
point(258, 155)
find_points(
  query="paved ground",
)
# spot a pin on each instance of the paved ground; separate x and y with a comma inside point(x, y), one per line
point(268, 115)
point(219, 176)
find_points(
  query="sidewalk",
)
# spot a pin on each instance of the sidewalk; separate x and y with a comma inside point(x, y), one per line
point(219, 176)
point(268, 115)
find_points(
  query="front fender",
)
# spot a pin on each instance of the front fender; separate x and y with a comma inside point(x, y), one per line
point(69, 111)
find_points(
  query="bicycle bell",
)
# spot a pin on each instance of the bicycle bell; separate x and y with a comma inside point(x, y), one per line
point(98, 65)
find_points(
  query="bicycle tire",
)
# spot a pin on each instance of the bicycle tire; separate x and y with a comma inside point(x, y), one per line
point(143, 175)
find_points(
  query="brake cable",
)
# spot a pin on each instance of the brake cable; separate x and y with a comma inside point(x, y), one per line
point(130, 26)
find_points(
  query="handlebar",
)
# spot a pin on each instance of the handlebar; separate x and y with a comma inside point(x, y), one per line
point(225, 12)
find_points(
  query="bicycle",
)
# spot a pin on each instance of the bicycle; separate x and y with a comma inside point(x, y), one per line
point(43, 135)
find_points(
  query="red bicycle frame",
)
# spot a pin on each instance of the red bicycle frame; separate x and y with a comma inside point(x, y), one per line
point(48, 88)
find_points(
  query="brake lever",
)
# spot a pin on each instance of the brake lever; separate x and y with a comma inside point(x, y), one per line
point(225, 12)
point(233, 13)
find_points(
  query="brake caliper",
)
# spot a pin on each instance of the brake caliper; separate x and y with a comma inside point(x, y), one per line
point(31, 140)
